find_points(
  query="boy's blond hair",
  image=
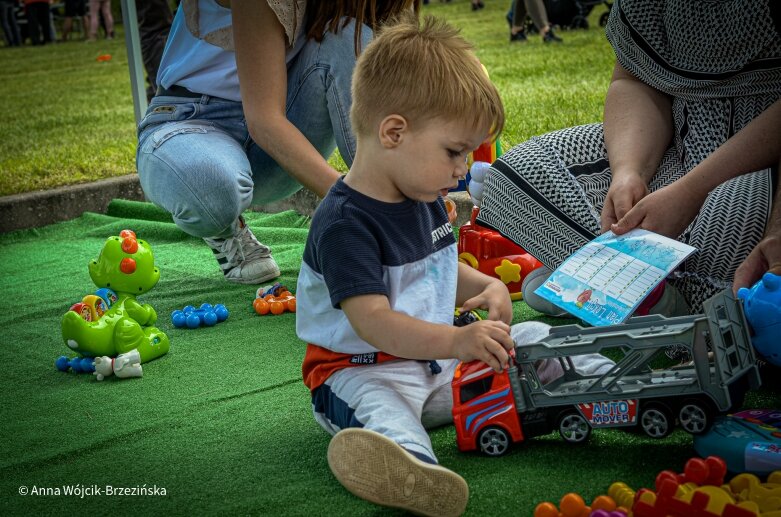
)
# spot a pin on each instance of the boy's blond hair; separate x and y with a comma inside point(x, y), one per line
point(421, 72)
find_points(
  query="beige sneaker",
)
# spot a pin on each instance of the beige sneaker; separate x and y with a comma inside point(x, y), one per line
point(379, 470)
point(242, 258)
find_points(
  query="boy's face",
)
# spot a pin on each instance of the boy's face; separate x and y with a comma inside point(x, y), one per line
point(432, 158)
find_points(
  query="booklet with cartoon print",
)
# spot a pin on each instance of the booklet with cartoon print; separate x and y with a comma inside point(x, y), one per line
point(604, 281)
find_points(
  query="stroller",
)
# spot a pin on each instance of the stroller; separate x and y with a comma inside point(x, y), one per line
point(573, 14)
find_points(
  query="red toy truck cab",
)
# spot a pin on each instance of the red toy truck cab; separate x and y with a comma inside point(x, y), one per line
point(484, 409)
point(491, 253)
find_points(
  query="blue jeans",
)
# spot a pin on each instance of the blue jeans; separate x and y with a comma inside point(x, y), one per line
point(195, 156)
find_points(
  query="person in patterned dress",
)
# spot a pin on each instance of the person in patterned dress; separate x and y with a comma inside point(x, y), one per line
point(689, 148)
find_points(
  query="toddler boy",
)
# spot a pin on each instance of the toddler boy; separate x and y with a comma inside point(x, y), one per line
point(380, 275)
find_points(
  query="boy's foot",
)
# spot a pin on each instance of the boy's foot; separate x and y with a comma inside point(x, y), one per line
point(242, 258)
point(379, 470)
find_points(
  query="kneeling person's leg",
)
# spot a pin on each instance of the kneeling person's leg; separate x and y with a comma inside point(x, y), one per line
point(201, 175)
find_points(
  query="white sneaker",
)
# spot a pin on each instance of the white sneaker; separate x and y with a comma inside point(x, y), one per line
point(243, 258)
point(375, 468)
point(530, 283)
point(671, 304)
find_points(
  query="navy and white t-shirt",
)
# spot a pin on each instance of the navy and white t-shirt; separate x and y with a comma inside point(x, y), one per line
point(358, 245)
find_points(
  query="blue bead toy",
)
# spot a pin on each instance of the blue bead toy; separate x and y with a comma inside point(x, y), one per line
point(193, 318)
point(77, 364)
point(61, 363)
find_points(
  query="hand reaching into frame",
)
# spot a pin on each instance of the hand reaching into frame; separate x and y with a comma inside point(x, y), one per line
point(766, 256)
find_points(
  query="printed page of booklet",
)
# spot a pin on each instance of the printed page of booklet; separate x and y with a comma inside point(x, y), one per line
point(603, 282)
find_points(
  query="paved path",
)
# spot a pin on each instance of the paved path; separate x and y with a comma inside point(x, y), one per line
point(35, 209)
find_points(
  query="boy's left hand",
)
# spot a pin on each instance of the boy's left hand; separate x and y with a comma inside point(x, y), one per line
point(495, 298)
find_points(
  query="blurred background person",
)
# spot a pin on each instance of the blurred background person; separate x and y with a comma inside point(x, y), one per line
point(10, 27)
point(535, 9)
point(75, 10)
point(38, 21)
point(96, 8)
point(154, 24)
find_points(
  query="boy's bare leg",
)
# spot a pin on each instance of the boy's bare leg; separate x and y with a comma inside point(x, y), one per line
point(375, 468)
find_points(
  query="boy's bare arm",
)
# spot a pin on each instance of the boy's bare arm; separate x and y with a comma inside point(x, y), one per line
point(476, 290)
point(401, 335)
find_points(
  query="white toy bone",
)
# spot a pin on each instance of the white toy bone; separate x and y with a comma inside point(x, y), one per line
point(123, 366)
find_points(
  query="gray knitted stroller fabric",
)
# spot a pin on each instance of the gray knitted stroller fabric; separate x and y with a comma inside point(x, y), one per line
point(721, 63)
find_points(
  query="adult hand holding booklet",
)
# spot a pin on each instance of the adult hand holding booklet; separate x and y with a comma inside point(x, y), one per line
point(603, 282)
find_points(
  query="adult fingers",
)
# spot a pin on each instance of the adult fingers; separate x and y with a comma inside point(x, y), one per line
point(608, 215)
point(623, 201)
point(629, 221)
point(766, 256)
point(749, 271)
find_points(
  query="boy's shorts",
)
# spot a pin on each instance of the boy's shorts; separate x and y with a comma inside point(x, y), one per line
point(399, 399)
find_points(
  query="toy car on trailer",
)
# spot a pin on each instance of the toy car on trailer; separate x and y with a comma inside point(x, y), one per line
point(491, 411)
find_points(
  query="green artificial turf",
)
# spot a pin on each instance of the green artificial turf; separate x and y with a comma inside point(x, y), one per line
point(68, 118)
point(223, 421)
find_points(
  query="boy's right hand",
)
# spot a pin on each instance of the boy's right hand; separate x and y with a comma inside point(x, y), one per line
point(486, 340)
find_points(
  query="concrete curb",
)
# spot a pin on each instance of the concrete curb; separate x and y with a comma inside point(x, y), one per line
point(35, 209)
point(41, 208)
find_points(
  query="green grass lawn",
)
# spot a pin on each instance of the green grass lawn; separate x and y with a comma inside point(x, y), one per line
point(68, 118)
point(223, 421)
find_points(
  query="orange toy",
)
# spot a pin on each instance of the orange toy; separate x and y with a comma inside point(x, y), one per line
point(571, 505)
point(275, 299)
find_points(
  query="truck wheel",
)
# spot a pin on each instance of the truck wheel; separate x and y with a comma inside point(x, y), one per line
point(573, 428)
point(656, 421)
point(493, 441)
point(695, 416)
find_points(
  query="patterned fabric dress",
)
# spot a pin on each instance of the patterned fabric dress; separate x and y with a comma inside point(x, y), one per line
point(720, 61)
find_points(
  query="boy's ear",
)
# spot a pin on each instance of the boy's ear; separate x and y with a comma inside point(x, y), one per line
point(393, 128)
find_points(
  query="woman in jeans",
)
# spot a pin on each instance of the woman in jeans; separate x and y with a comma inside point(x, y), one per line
point(209, 149)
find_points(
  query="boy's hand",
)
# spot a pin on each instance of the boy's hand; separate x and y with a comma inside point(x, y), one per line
point(487, 341)
point(495, 299)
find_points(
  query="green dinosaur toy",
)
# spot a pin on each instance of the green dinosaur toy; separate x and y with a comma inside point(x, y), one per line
point(127, 267)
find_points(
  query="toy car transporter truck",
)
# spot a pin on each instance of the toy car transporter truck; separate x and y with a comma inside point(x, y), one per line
point(491, 411)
